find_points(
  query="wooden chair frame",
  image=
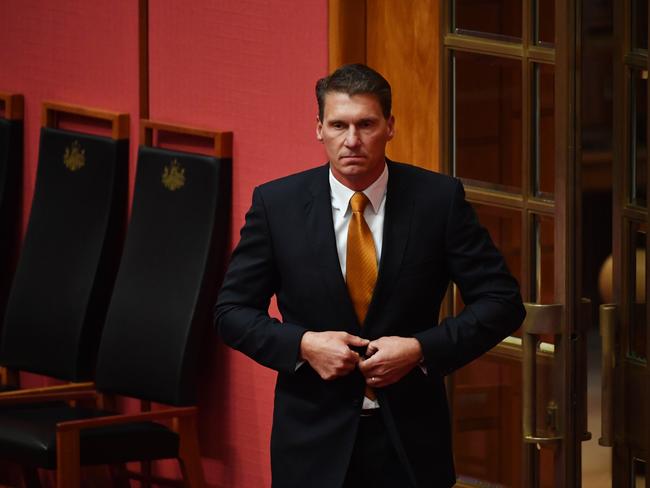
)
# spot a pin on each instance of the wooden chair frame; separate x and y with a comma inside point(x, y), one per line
point(14, 109)
point(184, 423)
point(119, 121)
point(222, 141)
point(222, 147)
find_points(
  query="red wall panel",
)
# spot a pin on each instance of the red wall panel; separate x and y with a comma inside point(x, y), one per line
point(248, 66)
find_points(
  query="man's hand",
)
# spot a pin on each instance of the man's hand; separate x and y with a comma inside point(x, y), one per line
point(329, 352)
point(389, 359)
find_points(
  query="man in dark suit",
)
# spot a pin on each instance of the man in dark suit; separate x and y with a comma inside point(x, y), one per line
point(359, 253)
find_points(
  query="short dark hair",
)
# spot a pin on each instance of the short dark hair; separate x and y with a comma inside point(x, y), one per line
point(355, 79)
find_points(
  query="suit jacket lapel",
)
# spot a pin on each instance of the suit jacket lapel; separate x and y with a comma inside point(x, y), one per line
point(320, 234)
point(397, 224)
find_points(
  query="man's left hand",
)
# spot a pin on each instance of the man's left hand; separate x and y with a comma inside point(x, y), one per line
point(389, 359)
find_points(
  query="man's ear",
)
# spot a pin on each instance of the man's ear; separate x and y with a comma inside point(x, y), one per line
point(319, 129)
point(391, 127)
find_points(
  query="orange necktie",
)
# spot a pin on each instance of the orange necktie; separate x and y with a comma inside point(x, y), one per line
point(361, 263)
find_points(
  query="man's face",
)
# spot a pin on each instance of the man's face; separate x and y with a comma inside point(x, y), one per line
point(354, 133)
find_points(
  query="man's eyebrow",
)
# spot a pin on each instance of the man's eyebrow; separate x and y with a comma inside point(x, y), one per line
point(362, 120)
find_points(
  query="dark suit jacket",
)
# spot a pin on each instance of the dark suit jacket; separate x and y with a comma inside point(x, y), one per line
point(288, 248)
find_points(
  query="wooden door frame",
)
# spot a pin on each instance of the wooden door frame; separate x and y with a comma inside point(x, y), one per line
point(624, 215)
point(565, 208)
point(567, 261)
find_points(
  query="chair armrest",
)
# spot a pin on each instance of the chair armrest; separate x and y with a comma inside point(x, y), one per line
point(48, 389)
point(47, 397)
point(157, 415)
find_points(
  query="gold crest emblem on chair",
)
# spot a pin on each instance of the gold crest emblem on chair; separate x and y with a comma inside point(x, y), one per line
point(173, 176)
point(74, 157)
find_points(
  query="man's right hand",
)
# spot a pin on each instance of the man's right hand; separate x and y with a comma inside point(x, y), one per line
point(329, 353)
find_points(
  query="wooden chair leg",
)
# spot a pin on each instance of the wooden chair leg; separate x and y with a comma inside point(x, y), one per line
point(31, 478)
point(67, 459)
point(189, 455)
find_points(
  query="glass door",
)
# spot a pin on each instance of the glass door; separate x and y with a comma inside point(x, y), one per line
point(508, 131)
point(625, 322)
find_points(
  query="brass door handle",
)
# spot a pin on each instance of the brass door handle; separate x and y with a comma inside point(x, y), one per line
point(540, 320)
point(607, 314)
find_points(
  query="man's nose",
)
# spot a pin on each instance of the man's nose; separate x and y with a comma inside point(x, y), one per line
point(352, 137)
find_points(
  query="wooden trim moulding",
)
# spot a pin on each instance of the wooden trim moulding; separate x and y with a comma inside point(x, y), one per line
point(484, 46)
point(539, 54)
point(347, 32)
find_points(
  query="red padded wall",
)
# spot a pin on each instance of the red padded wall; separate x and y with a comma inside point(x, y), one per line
point(248, 66)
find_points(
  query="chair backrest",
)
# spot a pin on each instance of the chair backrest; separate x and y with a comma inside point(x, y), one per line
point(69, 258)
point(11, 168)
point(168, 277)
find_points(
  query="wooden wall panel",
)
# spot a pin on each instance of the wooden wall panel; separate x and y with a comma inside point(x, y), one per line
point(403, 43)
point(347, 32)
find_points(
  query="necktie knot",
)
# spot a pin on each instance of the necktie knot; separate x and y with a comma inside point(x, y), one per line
point(358, 202)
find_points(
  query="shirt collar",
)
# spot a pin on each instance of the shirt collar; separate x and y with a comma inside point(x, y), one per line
point(341, 194)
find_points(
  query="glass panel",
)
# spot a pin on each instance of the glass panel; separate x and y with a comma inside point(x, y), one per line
point(637, 282)
point(543, 251)
point(504, 227)
point(488, 125)
point(486, 394)
point(638, 136)
point(486, 401)
point(499, 19)
point(638, 473)
point(545, 22)
point(544, 130)
point(639, 22)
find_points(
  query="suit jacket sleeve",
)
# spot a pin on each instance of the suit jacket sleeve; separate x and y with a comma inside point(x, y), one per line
point(493, 305)
point(241, 312)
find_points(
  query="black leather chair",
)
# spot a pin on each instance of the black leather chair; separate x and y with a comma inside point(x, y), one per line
point(11, 169)
point(67, 267)
point(160, 308)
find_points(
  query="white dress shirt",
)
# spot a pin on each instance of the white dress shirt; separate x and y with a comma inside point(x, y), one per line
point(374, 215)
